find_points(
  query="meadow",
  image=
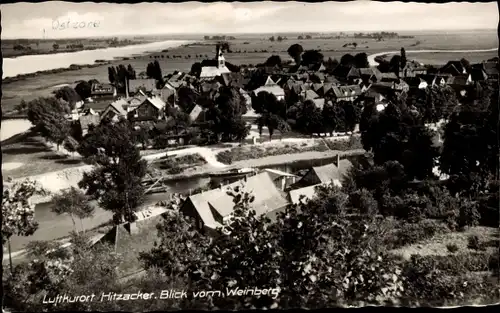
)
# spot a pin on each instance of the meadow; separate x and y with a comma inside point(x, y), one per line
point(254, 50)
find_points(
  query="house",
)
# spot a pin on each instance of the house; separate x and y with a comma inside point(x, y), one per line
point(309, 95)
point(388, 77)
point(491, 69)
point(478, 74)
point(216, 67)
point(416, 82)
point(341, 72)
point(146, 85)
point(412, 69)
point(326, 173)
point(87, 120)
point(454, 68)
point(128, 240)
point(115, 111)
point(152, 108)
point(442, 80)
point(102, 91)
point(400, 85)
point(282, 180)
point(319, 103)
point(370, 75)
point(345, 93)
point(232, 80)
point(305, 194)
point(213, 208)
point(168, 93)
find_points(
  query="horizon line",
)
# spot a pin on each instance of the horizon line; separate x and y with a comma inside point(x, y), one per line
point(252, 33)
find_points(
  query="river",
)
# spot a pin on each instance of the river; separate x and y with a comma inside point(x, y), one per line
point(33, 63)
point(52, 226)
point(372, 62)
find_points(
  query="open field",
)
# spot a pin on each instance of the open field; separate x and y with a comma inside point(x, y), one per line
point(257, 50)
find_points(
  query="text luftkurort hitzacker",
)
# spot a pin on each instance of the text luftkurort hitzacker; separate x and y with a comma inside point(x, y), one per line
point(162, 295)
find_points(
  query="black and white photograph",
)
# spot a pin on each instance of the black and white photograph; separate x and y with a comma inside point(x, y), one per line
point(249, 155)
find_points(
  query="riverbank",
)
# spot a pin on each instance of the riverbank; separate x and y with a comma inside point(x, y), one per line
point(72, 67)
point(12, 54)
point(372, 62)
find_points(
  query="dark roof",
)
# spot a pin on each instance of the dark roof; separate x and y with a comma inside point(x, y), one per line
point(341, 71)
point(388, 77)
point(129, 245)
point(460, 80)
point(478, 74)
point(346, 91)
point(491, 68)
point(453, 67)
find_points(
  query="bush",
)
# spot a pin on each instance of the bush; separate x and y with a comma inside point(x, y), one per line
point(440, 280)
point(473, 242)
point(452, 247)
point(363, 201)
point(410, 233)
point(469, 214)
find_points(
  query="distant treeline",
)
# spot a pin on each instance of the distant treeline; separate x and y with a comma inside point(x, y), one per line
point(379, 35)
point(219, 38)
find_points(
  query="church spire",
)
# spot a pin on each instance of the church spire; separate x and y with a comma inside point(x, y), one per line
point(219, 56)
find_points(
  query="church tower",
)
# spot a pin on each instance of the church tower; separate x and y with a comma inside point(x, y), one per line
point(219, 57)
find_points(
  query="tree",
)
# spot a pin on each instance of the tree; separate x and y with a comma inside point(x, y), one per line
point(470, 148)
point(55, 270)
point(69, 95)
point(39, 109)
point(55, 128)
point(18, 212)
point(312, 57)
point(310, 119)
point(55, 46)
point(396, 135)
point(273, 60)
point(403, 58)
point(71, 144)
point(295, 51)
point(119, 169)
point(186, 98)
point(361, 60)
point(271, 38)
point(347, 60)
point(394, 64)
point(196, 69)
point(84, 89)
point(74, 203)
point(131, 72)
point(112, 74)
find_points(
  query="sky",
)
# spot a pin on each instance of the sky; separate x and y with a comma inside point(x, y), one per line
point(28, 20)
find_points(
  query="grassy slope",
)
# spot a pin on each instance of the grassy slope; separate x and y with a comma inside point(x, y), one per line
point(37, 158)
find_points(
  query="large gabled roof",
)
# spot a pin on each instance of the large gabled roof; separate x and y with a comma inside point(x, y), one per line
point(267, 198)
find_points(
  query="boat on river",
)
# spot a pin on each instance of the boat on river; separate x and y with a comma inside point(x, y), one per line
point(232, 175)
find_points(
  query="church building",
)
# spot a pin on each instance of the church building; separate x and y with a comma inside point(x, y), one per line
point(216, 67)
